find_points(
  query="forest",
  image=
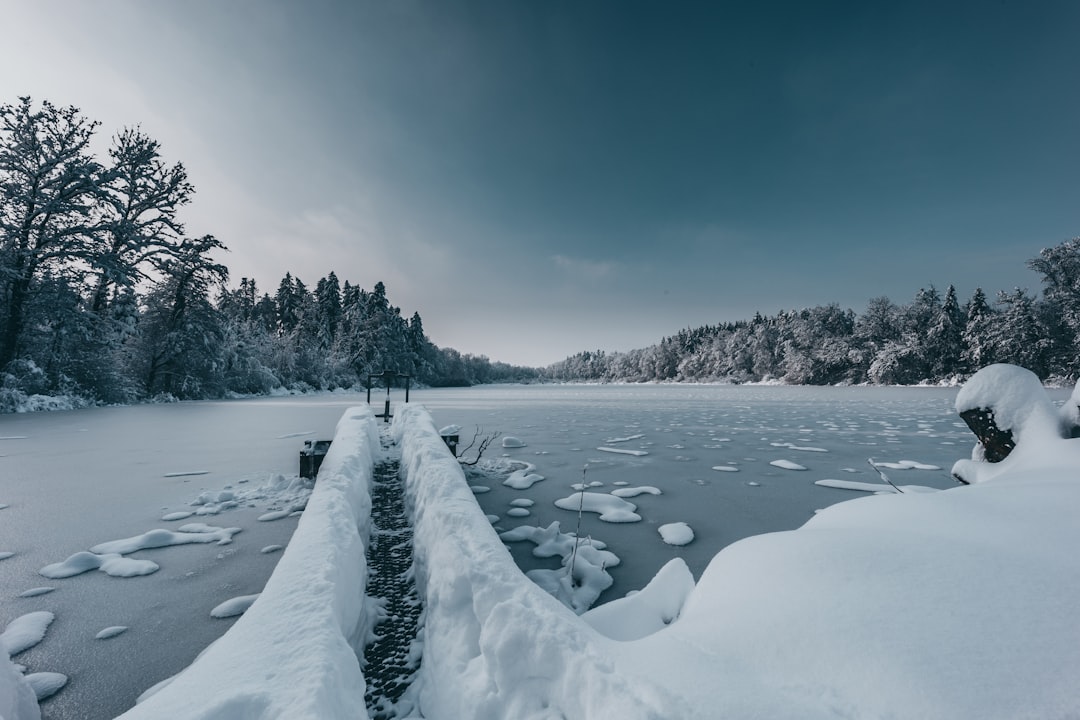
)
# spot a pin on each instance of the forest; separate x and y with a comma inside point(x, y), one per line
point(932, 339)
point(105, 298)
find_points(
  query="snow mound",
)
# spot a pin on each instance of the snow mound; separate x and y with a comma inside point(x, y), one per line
point(46, 684)
point(629, 492)
point(25, 631)
point(110, 563)
point(523, 479)
point(110, 632)
point(786, 465)
point(652, 609)
point(191, 533)
point(234, 606)
point(512, 442)
point(610, 508)
point(678, 533)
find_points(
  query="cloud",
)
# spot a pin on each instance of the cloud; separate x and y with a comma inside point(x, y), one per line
point(582, 269)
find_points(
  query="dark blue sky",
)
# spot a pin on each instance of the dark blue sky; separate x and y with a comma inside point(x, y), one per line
point(538, 178)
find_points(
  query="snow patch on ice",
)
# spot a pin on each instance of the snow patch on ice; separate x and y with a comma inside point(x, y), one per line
point(678, 533)
point(111, 632)
point(610, 508)
point(786, 465)
point(629, 492)
point(25, 631)
point(623, 451)
point(234, 606)
point(512, 442)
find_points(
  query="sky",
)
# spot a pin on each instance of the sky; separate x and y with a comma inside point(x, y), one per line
point(541, 178)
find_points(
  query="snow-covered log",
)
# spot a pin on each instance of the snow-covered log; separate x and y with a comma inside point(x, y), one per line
point(1001, 404)
point(1005, 406)
point(293, 654)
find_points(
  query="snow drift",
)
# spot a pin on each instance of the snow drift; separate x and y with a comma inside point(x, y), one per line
point(294, 652)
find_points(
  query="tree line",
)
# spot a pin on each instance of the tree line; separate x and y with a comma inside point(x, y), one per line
point(931, 339)
point(105, 297)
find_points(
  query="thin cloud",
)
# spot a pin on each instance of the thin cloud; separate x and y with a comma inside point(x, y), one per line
point(587, 269)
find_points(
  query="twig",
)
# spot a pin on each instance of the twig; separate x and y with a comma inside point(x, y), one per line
point(883, 475)
point(577, 530)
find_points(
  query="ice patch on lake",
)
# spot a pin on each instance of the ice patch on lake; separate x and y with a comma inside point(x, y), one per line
point(25, 631)
point(34, 592)
point(109, 563)
point(522, 502)
point(479, 489)
point(46, 684)
point(787, 465)
point(274, 515)
point(512, 442)
point(234, 606)
point(906, 465)
point(678, 533)
point(180, 515)
point(589, 562)
point(271, 548)
point(629, 492)
point(523, 479)
point(191, 533)
point(628, 438)
point(725, 468)
point(5, 555)
point(872, 487)
point(622, 451)
point(518, 512)
point(792, 446)
point(610, 508)
point(110, 632)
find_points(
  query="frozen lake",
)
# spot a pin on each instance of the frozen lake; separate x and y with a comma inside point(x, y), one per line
point(75, 479)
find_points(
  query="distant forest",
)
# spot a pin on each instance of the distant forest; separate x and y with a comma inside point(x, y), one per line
point(932, 339)
point(105, 298)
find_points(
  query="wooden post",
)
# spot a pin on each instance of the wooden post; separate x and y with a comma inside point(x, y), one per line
point(996, 443)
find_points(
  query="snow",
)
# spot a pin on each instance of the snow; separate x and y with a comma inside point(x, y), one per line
point(611, 509)
point(234, 606)
point(629, 492)
point(46, 684)
point(293, 653)
point(18, 700)
point(111, 632)
point(109, 563)
point(25, 631)
point(512, 442)
point(648, 611)
point(786, 465)
point(523, 479)
point(678, 533)
point(34, 592)
point(623, 451)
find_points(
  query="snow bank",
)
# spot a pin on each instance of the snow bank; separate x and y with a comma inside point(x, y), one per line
point(293, 654)
point(17, 698)
point(495, 644)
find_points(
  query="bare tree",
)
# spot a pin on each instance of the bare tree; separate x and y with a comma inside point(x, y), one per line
point(484, 442)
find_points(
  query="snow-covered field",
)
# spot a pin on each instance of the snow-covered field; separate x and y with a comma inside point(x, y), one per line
point(926, 604)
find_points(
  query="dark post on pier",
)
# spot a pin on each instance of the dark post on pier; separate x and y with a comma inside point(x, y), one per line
point(388, 377)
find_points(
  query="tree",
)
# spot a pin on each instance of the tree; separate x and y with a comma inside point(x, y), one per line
point(141, 197)
point(182, 331)
point(48, 191)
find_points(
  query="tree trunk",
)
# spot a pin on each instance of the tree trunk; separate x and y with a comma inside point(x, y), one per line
point(996, 443)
